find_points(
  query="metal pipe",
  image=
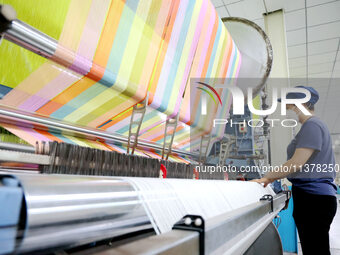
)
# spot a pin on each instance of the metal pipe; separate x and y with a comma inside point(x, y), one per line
point(64, 211)
point(30, 38)
point(11, 116)
point(17, 147)
point(22, 157)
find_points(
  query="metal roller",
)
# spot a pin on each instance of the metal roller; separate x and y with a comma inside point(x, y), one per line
point(65, 211)
point(25, 119)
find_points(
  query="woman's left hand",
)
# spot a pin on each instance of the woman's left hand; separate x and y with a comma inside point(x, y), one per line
point(263, 180)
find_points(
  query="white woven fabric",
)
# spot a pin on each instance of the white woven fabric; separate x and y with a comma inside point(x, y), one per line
point(166, 201)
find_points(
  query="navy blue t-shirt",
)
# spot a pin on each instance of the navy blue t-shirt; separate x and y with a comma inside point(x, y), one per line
point(318, 174)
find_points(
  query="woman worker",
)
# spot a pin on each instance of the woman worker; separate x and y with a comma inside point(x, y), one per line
point(311, 166)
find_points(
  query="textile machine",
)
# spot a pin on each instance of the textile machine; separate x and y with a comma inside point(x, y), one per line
point(100, 141)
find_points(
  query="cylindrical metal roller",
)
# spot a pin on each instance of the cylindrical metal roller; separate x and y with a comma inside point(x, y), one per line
point(65, 211)
point(30, 38)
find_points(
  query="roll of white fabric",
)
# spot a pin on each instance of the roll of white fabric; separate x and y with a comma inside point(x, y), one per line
point(166, 201)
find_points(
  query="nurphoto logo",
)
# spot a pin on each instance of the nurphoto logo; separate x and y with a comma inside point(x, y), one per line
point(238, 104)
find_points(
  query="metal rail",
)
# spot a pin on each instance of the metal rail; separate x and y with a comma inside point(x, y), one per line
point(11, 116)
point(229, 233)
point(24, 157)
point(17, 147)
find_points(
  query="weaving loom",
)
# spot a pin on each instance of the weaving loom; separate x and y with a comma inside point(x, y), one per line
point(103, 112)
point(96, 87)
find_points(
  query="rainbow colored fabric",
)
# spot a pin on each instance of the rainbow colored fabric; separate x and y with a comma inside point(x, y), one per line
point(111, 53)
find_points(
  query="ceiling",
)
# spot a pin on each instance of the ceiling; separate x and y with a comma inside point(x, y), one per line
point(313, 40)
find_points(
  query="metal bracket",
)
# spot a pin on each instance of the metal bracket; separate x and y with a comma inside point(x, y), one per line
point(170, 123)
point(225, 144)
point(204, 146)
point(288, 193)
point(270, 199)
point(288, 196)
point(193, 223)
point(223, 153)
point(138, 109)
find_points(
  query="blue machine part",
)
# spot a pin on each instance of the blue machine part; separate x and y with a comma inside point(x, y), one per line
point(287, 229)
point(276, 186)
point(244, 143)
point(11, 197)
point(4, 90)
